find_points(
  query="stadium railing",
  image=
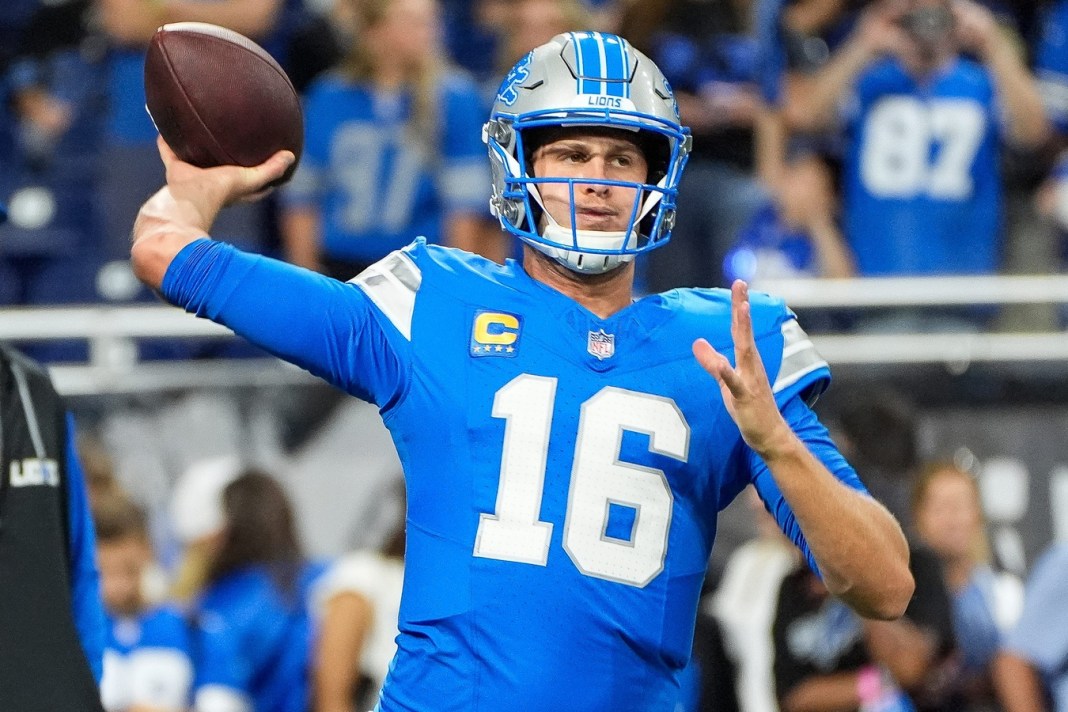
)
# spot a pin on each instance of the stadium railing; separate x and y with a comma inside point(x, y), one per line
point(112, 333)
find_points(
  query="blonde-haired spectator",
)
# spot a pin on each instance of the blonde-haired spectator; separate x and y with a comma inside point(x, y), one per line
point(392, 148)
point(948, 515)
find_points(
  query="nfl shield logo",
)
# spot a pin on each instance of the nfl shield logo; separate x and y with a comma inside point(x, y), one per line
point(601, 345)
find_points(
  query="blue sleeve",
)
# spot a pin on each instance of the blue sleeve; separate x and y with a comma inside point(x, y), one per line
point(328, 327)
point(815, 436)
point(1041, 634)
point(86, 604)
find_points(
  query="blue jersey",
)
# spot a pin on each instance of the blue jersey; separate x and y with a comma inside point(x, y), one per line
point(86, 604)
point(376, 182)
point(921, 187)
point(563, 471)
point(1051, 63)
point(147, 662)
point(252, 643)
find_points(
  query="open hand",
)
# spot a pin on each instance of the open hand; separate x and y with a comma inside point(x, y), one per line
point(745, 387)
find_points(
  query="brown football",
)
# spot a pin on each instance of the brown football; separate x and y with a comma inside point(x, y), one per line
point(217, 98)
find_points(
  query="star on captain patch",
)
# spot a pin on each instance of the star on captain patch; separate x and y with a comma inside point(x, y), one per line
point(601, 345)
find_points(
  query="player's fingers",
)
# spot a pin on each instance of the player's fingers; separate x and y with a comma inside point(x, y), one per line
point(270, 170)
point(741, 322)
point(717, 365)
point(165, 152)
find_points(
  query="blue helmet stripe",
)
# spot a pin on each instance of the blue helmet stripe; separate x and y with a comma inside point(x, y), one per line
point(615, 66)
point(590, 65)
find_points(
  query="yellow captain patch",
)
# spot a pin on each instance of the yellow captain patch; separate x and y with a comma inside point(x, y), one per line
point(495, 334)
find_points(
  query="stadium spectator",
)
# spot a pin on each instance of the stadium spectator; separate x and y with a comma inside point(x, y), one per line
point(711, 59)
point(529, 23)
point(745, 602)
point(50, 131)
point(566, 449)
point(478, 32)
point(921, 188)
point(52, 618)
point(357, 604)
point(829, 659)
point(948, 517)
point(128, 162)
point(392, 149)
point(796, 233)
point(712, 682)
point(196, 517)
point(147, 664)
point(252, 633)
point(1032, 670)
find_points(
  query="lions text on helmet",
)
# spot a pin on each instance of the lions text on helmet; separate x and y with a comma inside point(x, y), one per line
point(587, 81)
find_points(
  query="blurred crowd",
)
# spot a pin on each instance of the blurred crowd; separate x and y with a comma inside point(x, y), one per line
point(832, 138)
point(214, 605)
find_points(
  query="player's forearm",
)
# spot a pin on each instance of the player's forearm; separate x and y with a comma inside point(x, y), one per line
point(1026, 121)
point(859, 547)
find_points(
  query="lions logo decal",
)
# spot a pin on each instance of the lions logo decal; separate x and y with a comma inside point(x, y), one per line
point(508, 94)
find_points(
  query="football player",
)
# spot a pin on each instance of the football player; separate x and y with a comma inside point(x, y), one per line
point(565, 448)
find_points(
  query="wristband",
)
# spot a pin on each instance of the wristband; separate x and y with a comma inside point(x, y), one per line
point(869, 684)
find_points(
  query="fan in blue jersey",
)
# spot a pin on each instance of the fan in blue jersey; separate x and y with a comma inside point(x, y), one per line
point(392, 149)
point(921, 186)
point(252, 637)
point(147, 666)
point(566, 448)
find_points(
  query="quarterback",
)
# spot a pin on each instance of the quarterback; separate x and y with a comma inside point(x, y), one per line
point(566, 447)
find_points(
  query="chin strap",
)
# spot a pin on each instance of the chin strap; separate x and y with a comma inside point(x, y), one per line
point(588, 262)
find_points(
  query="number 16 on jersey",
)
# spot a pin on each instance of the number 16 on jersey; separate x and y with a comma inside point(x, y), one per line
point(515, 531)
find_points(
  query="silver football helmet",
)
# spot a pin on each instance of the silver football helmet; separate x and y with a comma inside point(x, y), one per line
point(586, 79)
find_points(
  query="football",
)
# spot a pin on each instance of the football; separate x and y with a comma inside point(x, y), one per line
point(217, 98)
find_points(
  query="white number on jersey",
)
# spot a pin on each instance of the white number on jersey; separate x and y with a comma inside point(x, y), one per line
point(598, 480)
point(912, 147)
point(358, 155)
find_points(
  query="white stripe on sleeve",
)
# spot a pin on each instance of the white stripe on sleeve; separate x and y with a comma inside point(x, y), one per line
point(392, 283)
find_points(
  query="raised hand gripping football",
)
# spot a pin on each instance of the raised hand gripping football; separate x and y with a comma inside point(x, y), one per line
point(203, 192)
point(745, 387)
